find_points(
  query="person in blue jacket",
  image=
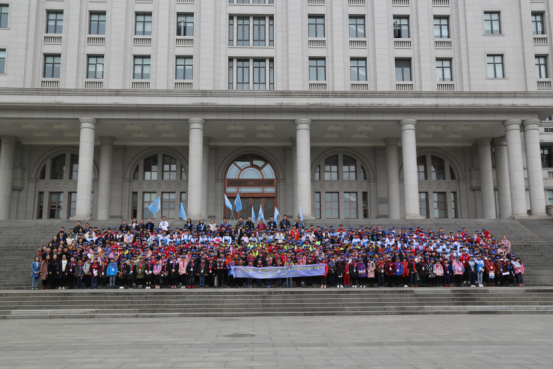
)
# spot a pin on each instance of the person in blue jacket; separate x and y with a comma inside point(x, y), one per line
point(480, 268)
point(398, 272)
point(112, 273)
point(35, 273)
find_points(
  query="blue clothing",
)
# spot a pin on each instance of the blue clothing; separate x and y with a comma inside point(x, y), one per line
point(35, 267)
point(112, 269)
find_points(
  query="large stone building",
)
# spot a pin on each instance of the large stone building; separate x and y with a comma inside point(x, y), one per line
point(347, 109)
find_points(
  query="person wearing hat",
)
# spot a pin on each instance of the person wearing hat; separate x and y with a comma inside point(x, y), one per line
point(157, 274)
point(130, 272)
point(103, 273)
point(508, 273)
point(448, 272)
point(471, 269)
point(202, 271)
point(165, 273)
point(439, 272)
point(112, 272)
point(173, 271)
point(140, 272)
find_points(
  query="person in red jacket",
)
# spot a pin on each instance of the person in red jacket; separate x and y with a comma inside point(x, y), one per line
point(294, 233)
point(390, 272)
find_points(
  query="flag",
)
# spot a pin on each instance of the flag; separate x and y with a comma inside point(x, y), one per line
point(182, 213)
point(276, 213)
point(301, 216)
point(260, 214)
point(237, 204)
point(228, 203)
point(154, 206)
point(253, 215)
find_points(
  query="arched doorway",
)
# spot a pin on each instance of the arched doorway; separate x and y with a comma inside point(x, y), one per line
point(254, 178)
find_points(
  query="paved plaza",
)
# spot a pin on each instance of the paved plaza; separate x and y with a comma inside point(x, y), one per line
point(426, 342)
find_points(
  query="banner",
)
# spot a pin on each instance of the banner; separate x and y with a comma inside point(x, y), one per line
point(278, 272)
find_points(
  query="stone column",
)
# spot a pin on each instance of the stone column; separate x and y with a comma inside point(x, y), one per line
point(195, 168)
point(534, 168)
point(205, 184)
point(86, 168)
point(104, 186)
point(303, 171)
point(502, 177)
point(7, 153)
point(392, 171)
point(410, 175)
point(486, 177)
point(516, 172)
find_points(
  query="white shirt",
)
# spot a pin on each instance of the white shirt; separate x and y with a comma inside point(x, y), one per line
point(164, 225)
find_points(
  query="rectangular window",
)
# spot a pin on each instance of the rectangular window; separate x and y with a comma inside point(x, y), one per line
point(441, 27)
point(183, 200)
point(541, 67)
point(40, 209)
point(52, 66)
point(454, 205)
point(495, 66)
point(72, 209)
point(95, 67)
point(317, 205)
point(358, 69)
point(242, 74)
point(134, 209)
point(184, 68)
point(55, 206)
point(317, 69)
point(365, 205)
point(271, 31)
point(421, 168)
point(423, 204)
point(185, 25)
point(546, 156)
point(147, 199)
point(538, 25)
point(4, 12)
point(549, 197)
point(349, 170)
point(2, 61)
point(331, 168)
point(356, 26)
point(259, 71)
point(271, 75)
point(259, 31)
point(440, 206)
point(443, 70)
point(230, 75)
point(169, 168)
point(492, 23)
point(403, 70)
point(438, 168)
point(97, 24)
point(243, 31)
point(74, 172)
point(316, 24)
point(401, 27)
point(350, 205)
point(143, 24)
point(168, 205)
point(331, 205)
point(141, 67)
point(231, 31)
point(54, 22)
point(150, 168)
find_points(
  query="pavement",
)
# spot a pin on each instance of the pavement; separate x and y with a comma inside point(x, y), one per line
point(425, 342)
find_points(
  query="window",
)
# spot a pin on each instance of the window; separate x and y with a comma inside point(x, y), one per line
point(549, 197)
point(331, 205)
point(230, 75)
point(423, 204)
point(2, 61)
point(350, 205)
point(356, 26)
point(40, 209)
point(52, 66)
point(242, 74)
point(358, 69)
point(401, 27)
point(141, 67)
point(403, 70)
point(134, 210)
point(331, 168)
point(421, 168)
point(443, 70)
point(259, 74)
point(54, 22)
point(182, 173)
point(185, 25)
point(364, 176)
point(538, 26)
point(168, 205)
point(143, 24)
point(169, 168)
point(495, 66)
point(243, 31)
point(95, 67)
point(440, 208)
point(147, 199)
point(184, 68)
point(318, 205)
point(4, 12)
point(317, 70)
point(97, 24)
point(349, 168)
point(441, 27)
point(150, 168)
point(240, 69)
point(259, 31)
point(438, 169)
point(271, 75)
point(74, 172)
point(55, 207)
point(365, 200)
point(72, 209)
point(231, 31)
point(541, 67)
point(183, 199)
point(546, 157)
point(492, 24)
point(271, 31)
point(58, 167)
point(454, 205)
point(316, 25)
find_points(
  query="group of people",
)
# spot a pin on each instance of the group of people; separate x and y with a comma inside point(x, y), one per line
point(141, 255)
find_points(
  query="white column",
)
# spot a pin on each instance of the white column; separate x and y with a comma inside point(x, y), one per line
point(86, 168)
point(195, 168)
point(410, 175)
point(104, 185)
point(502, 177)
point(7, 153)
point(534, 168)
point(205, 176)
point(392, 171)
point(516, 172)
point(303, 173)
point(486, 177)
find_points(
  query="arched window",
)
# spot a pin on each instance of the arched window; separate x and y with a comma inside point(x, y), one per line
point(58, 167)
point(331, 168)
point(182, 173)
point(169, 167)
point(349, 168)
point(73, 174)
point(421, 168)
point(438, 169)
point(150, 168)
point(318, 174)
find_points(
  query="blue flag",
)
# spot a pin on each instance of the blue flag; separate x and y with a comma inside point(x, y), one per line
point(182, 213)
point(228, 203)
point(155, 206)
point(301, 216)
point(253, 215)
point(260, 214)
point(238, 204)
point(276, 213)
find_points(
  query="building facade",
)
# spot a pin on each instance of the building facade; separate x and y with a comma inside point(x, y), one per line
point(347, 109)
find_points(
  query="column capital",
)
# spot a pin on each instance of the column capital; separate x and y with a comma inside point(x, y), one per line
point(501, 141)
point(106, 140)
point(484, 141)
point(531, 124)
point(196, 123)
point(303, 124)
point(88, 120)
point(408, 124)
point(389, 141)
point(8, 140)
point(511, 124)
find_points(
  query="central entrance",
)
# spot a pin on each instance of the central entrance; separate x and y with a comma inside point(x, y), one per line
point(253, 177)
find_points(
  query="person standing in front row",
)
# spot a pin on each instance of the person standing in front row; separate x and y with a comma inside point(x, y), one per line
point(35, 273)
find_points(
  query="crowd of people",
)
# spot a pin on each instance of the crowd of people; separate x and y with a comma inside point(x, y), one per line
point(141, 255)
